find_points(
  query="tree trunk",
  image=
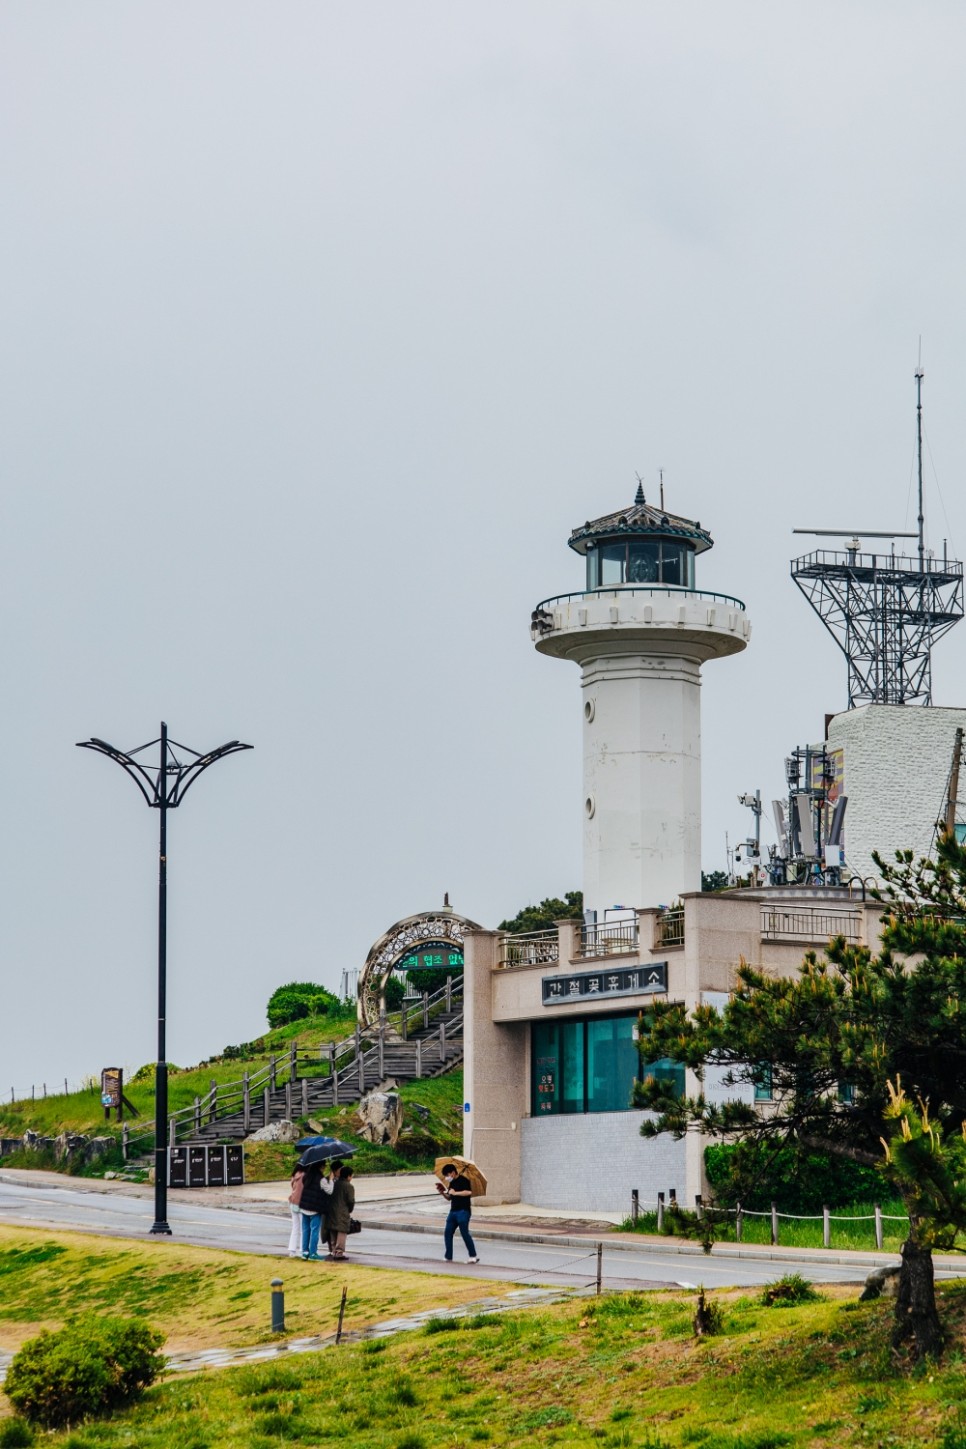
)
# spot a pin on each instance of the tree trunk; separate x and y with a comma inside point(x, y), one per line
point(916, 1314)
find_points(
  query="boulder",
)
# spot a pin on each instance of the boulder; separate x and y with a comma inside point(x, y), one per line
point(283, 1131)
point(381, 1118)
point(881, 1282)
point(33, 1142)
point(80, 1150)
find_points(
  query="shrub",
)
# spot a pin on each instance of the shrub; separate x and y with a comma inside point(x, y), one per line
point(90, 1366)
point(16, 1435)
point(790, 1289)
point(297, 1000)
point(796, 1181)
point(394, 991)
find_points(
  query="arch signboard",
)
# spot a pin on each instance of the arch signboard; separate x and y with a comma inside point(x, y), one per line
point(431, 939)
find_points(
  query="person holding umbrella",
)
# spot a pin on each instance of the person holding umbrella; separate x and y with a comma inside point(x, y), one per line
point(458, 1191)
point(316, 1190)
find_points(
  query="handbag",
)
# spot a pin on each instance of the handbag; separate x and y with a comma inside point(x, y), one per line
point(355, 1226)
point(295, 1196)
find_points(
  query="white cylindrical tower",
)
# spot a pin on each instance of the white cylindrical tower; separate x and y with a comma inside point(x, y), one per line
point(640, 632)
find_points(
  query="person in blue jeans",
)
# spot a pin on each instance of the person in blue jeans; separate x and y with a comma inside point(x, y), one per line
point(458, 1193)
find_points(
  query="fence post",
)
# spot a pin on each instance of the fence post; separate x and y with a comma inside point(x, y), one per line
point(419, 1058)
point(124, 1144)
point(878, 1227)
point(449, 993)
point(403, 1021)
point(826, 1228)
point(331, 1058)
point(246, 1104)
point(698, 1206)
point(442, 1041)
point(65, 1088)
point(45, 1089)
point(266, 1107)
point(600, 1259)
point(335, 1087)
point(774, 1226)
point(739, 1222)
point(362, 1072)
point(425, 1010)
point(635, 1205)
point(382, 1049)
point(660, 1212)
point(288, 1099)
point(293, 1061)
point(213, 1112)
point(172, 1132)
point(305, 1096)
point(197, 1114)
point(271, 1072)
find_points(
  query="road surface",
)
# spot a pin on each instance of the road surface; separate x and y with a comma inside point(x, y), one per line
point(264, 1230)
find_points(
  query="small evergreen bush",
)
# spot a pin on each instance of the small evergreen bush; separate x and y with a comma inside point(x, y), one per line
point(786, 1291)
point(297, 1000)
point(89, 1366)
point(15, 1434)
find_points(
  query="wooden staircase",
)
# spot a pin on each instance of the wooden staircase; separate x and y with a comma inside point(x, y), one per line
point(427, 1042)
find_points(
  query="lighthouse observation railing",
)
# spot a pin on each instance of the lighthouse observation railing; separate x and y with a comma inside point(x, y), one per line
point(622, 590)
point(808, 924)
point(669, 928)
point(620, 938)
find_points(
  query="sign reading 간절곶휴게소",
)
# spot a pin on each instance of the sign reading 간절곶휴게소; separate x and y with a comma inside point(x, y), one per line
point(649, 980)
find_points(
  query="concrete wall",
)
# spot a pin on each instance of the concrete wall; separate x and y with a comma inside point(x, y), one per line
point(593, 1162)
point(496, 1074)
point(897, 763)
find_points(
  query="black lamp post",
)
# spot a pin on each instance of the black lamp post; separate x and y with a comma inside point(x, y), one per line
point(164, 786)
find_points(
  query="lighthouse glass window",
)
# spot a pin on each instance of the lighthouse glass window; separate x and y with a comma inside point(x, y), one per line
point(640, 561)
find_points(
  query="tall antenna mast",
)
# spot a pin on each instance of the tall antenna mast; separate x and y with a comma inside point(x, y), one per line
point(919, 439)
point(662, 489)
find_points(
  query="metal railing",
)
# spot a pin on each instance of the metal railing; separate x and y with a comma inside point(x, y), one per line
point(807, 924)
point(619, 939)
point(530, 948)
point(621, 590)
point(302, 1067)
point(669, 928)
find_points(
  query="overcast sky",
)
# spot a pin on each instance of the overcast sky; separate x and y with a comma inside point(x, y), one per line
point(322, 325)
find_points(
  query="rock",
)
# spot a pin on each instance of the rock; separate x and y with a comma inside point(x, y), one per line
point(381, 1118)
point(881, 1282)
point(78, 1150)
point(109, 1176)
point(283, 1131)
point(421, 1111)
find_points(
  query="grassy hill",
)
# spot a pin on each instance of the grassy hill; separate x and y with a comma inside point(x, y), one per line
point(432, 1108)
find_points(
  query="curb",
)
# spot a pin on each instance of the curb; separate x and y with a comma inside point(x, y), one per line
point(673, 1247)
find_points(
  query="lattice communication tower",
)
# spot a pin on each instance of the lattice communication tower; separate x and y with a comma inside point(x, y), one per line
point(885, 610)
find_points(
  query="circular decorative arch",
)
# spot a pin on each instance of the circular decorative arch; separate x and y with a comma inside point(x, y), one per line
point(400, 940)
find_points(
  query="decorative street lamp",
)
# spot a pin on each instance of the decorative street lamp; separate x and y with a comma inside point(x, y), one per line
point(164, 786)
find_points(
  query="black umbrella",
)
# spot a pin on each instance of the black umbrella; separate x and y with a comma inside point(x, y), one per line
point(321, 1149)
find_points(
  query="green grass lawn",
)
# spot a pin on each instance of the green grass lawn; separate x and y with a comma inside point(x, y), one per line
point(198, 1297)
point(623, 1372)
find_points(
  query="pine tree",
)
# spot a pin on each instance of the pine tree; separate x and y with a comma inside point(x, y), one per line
point(865, 1056)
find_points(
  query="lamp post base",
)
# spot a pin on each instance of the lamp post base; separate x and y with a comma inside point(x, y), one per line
point(161, 1228)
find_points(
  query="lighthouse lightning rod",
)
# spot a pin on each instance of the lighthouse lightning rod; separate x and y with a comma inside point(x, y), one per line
point(164, 786)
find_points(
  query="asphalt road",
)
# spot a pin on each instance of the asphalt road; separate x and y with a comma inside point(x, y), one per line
point(504, 1260)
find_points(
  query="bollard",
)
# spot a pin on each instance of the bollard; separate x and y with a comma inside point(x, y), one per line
point(826, 1228)
point(660, 1212)
point(278, 1306)
point(878, 1227)
point(698, 1207)
point(739, 1222)
point(600, 1259)
point(635, 1205)
point(774, 1226)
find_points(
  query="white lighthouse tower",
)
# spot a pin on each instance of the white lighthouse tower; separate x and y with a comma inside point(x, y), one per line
point(640, 632)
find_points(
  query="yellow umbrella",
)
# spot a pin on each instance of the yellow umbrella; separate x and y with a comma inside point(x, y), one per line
point(467, 1169)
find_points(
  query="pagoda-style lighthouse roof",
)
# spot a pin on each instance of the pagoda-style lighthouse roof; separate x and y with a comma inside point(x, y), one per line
point(641, 520)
